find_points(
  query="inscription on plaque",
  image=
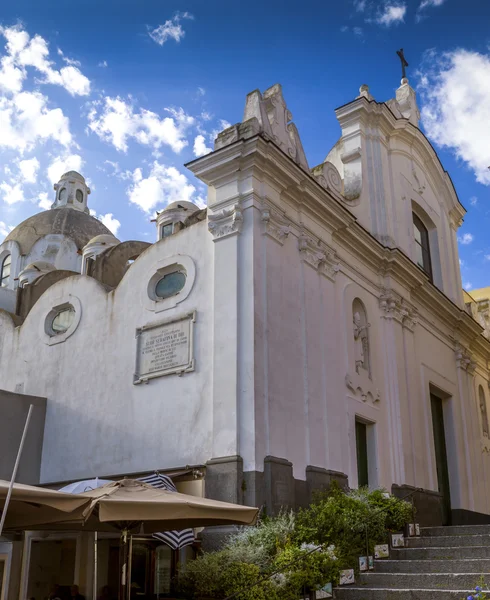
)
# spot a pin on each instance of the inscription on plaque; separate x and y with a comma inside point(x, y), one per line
point(164, 348)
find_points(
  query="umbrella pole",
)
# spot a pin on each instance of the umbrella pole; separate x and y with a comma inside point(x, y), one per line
point(16, 466)
point(95, 567)
point(124, 564)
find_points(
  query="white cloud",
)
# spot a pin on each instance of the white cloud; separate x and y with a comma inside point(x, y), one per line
point(62, 164)
point(201, 91)
point(456, 111)
point(473, 200)
point(103, 64)
point(110, 222)
point(461, 263)
point(465, 239)
point(162, 186)
point(357, 31)
point(11, 192)
point(115, 120)
point(44, 202)
point(428, 3)
point(69, 61)
point(5, 229)
point(171, 29)
point(24, 52)
point(392, 14)
point(200, 148)
point(26, 120)
point(487, 257)
point(28, 169)
point(467, 286)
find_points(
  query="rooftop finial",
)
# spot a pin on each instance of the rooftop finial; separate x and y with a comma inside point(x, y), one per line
point(403, 60)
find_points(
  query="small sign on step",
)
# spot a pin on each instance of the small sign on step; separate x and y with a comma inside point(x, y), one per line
point(413, 530)
point(324, 592)
point(370, 563)
point(347, 577)
point(363, 563)
point(397, 540)
point(381, 551)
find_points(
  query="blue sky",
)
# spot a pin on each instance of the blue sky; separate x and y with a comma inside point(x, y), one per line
point(128, 91)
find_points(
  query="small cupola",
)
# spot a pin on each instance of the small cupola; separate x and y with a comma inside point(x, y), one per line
point(96, 246)
point(71, 191)
point(33, 271)
point(172, 218)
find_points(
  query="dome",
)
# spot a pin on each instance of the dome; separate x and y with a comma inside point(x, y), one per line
point(76, 225)
point(34, 270)
point(103, 240)
point(40, 265)
point(73, 174)
point(181, 205)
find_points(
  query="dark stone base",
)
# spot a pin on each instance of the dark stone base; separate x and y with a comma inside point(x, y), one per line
point(428, 504)
point(224, 479)
point(273, 490)
point(460, 516)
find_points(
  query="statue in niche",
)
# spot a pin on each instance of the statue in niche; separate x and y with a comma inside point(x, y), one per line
point(361, 340)
point(483, 410)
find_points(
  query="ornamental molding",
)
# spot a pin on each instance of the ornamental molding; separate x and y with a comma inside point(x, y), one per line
point(465, 359)
point(226, 222)
point(361, 392)
point(396, 308)
point(319, 256)
point(275, 226)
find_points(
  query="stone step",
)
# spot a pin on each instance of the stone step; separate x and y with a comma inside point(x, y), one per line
point(460, 565)
point(463, 540)
point(423, 581)
point(361, 593)
point(455, 530)
point(441, 553)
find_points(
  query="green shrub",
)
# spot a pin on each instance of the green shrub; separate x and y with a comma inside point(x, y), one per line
point(303, 568)
point(274, 560)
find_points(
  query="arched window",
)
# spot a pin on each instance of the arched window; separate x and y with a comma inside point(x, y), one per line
point(483, 411)
point(5, 270)
point(422, 247)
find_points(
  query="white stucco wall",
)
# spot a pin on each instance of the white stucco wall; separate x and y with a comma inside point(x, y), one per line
point(97, 421)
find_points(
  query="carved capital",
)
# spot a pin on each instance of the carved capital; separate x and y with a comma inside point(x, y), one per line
point(396, 308)
point(274, 226)
point(319, 256)
point(464, 359)
point(226, 222)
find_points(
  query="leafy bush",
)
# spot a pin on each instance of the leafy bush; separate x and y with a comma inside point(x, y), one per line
point(282, 556)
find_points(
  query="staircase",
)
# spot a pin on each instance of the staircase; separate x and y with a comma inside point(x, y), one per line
point(444, 563)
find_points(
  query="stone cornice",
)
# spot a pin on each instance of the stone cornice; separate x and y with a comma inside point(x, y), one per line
point(261, 159)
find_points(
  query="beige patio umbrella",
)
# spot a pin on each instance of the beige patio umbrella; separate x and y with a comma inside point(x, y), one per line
point(36, 503)
point(132, 506)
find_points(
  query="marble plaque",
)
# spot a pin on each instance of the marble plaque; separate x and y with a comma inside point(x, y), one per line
point(164, 348)
point(363, 563)
point(397, 540)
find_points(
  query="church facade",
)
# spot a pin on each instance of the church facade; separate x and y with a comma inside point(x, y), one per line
point(309, 326)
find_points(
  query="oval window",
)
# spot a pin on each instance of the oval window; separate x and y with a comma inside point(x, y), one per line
point(169, 285)
point(63, 320)
point(79, 195)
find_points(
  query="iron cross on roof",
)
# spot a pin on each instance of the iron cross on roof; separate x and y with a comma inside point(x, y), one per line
point(403, 61)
